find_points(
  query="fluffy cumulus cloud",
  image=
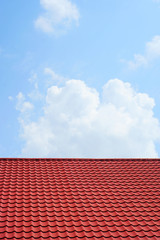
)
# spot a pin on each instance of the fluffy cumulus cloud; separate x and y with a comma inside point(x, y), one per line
point(77, 121)
point(57, 17)
point(152, 52)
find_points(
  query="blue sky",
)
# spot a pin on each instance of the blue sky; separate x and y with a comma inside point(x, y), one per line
point(80, 78)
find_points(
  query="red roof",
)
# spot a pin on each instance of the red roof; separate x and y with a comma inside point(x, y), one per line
point(79, 199)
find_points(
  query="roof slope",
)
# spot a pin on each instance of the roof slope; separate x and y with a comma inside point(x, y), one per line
point(79, 199)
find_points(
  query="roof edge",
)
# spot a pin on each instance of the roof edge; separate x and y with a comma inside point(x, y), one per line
point(39, 158)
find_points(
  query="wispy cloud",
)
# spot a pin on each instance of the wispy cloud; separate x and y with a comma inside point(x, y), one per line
point(152, 52)
point(22, 105)
point(57, 17)
point(76, 121)
point(54, 77)
point(157, 1)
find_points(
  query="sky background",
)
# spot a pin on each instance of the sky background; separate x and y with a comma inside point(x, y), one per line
point(80, 78)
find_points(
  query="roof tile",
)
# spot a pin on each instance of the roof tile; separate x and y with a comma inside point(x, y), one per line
point(79, 199)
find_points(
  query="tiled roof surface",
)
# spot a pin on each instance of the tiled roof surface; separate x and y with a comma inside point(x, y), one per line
point(79, 199)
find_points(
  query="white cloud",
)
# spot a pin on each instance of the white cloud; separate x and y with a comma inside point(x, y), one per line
point(79, 122)
point(22, 105)
point(54, 77)
point(58, 16)
point(10, 98)
point(35, 94)
point(152, 51)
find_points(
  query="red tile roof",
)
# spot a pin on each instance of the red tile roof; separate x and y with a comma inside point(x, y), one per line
point(79, 199)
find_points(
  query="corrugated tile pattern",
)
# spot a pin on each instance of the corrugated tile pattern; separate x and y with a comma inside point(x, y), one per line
point(79, 199)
